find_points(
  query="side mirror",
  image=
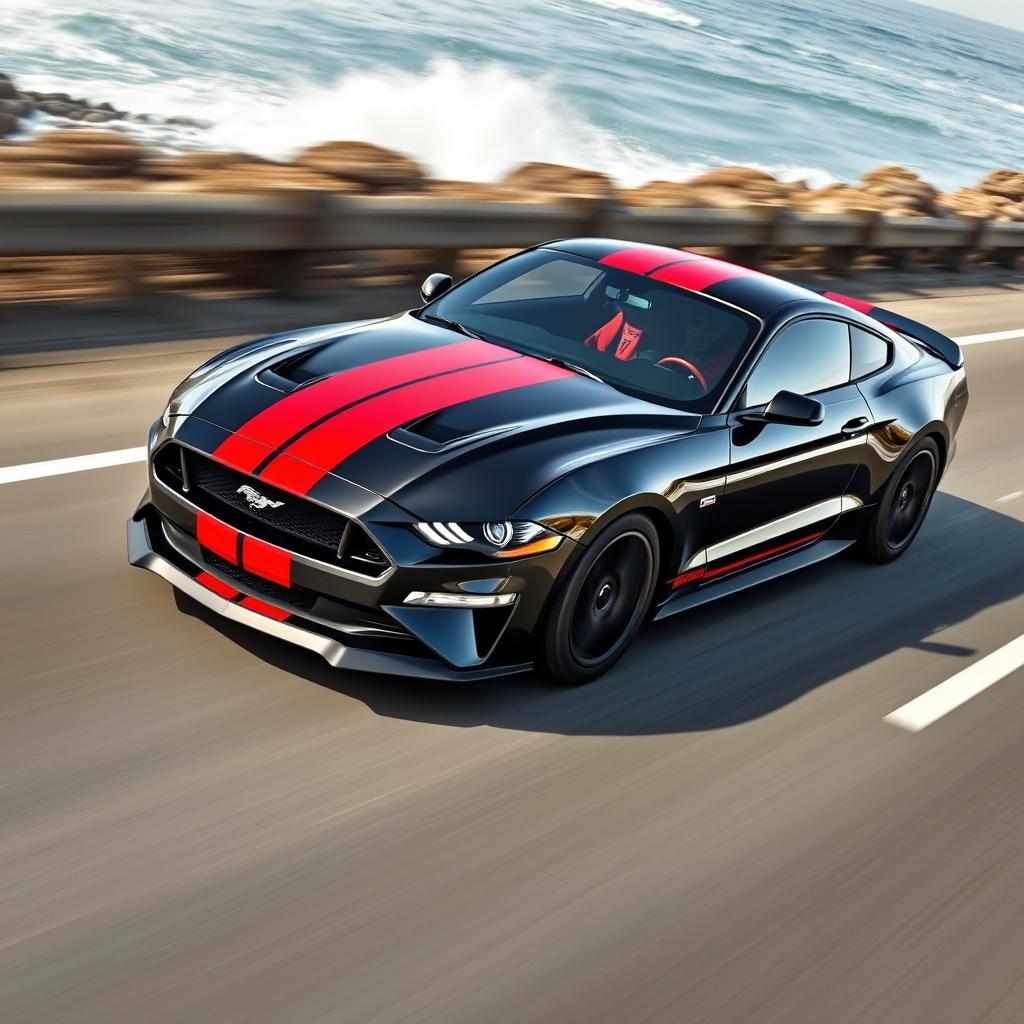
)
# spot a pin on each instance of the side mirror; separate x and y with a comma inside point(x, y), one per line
point(792, 409)
point(436, 284)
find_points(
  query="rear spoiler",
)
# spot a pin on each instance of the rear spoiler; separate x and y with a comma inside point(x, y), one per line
point(946, 348)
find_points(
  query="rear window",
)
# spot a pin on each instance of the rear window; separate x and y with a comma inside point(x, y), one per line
point(644, 337)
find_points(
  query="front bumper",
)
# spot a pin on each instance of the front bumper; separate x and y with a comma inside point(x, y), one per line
point(148, 548)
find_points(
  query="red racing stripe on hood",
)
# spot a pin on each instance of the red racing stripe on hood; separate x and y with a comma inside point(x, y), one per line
point(701, 273)
point(275, 425)
point(316, 453)
point(642, 259)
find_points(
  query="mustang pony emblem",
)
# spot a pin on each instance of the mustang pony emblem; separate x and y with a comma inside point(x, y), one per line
point(257, 500)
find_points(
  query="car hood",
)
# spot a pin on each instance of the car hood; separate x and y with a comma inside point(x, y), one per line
point(439, 424)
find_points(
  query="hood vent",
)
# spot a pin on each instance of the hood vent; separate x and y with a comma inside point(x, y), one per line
point(293, 371)
point(445, 429)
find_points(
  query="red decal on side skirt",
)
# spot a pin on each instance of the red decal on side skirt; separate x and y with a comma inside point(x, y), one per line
point(761, 555)
point(317, 452)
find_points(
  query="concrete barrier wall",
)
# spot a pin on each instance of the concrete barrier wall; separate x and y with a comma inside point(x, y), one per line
point(303, 223)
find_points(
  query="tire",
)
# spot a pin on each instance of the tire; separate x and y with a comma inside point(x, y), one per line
point(904, 503)
point(601, 603)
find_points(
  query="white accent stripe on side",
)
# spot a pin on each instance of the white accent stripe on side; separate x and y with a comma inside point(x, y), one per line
point(828, 509)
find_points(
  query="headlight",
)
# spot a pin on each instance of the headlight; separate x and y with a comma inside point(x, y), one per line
point(166, 418)
point(502, 539)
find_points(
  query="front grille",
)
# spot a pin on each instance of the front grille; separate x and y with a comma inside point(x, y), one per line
point(294, 596)
point(297, 524)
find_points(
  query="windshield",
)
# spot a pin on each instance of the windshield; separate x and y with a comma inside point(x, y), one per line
point(641, 336)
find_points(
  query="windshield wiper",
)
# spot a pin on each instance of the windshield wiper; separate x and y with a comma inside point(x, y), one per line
point(451, 325)
point(565, 365)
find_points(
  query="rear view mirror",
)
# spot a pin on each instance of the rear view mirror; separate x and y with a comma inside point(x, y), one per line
point(436, 284)
point(790, 408)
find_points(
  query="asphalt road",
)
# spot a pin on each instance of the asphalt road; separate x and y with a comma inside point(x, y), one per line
point(199, 824)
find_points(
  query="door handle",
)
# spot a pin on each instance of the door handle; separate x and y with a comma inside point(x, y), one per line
point(854, 427)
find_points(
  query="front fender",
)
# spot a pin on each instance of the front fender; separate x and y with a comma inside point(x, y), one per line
point(667, 479)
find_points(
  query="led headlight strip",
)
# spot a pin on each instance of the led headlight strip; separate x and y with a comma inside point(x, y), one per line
point(504, 539)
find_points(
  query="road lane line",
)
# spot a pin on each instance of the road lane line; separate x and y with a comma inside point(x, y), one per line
point(959, 689)
point(74, 464)
point(1012, 496)
point(980, 339)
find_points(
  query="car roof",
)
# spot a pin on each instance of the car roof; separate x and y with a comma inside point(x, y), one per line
point(747, 289)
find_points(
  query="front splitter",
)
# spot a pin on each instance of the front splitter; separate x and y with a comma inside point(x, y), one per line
point(141, 553)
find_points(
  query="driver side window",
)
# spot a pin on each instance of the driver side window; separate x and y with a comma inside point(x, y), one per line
point(806, 357)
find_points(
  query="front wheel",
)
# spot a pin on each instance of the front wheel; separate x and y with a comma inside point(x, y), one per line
point(905, 501)
point(601, 604)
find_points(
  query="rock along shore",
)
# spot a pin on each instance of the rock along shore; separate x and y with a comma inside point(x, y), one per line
point(77, 154)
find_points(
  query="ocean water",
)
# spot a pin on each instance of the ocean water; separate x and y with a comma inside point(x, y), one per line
point(641, 89)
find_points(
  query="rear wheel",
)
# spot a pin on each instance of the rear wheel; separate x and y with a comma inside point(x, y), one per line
point(905, 501)
point(601, 604)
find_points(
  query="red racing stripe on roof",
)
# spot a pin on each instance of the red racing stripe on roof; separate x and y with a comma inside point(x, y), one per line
point(642, 259)
point(266, 561)
point(217, 537)
point(701, 273)
point(275, 425)
point(316, 453)
point(844, 300)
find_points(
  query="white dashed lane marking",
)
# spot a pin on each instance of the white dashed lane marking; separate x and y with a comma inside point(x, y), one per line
point(959, 689)
point(74, 464)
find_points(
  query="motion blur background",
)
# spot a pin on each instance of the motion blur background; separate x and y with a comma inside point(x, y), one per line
point(200, 824)
point(639, 89)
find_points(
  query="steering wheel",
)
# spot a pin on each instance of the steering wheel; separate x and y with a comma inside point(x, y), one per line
point(673, 361)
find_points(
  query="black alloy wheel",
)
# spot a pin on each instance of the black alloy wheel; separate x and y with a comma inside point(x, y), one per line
point(602, 603)
point(899, 514)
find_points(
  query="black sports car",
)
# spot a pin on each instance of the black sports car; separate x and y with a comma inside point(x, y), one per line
point(520, 472)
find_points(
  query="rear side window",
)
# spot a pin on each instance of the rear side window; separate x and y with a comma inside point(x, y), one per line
point(868, 353)
point(806, 357)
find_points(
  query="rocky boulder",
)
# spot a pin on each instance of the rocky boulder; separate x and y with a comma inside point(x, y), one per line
point(901, 192)
point(201, 171)
point(476, 191)
point(374, 168)
point(74, 153)
point(976, 202)
point(1005, 183)
point(724, 188)
point(543, 179)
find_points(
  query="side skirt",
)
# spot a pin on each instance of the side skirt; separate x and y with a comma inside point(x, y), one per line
point(772, 569)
